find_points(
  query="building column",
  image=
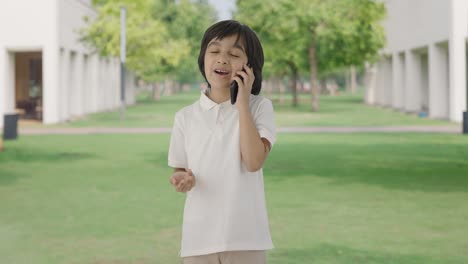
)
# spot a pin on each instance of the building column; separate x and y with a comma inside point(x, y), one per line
point(398, 81)
point(457, 59)
point(78, 71)
point(424, 81)
point(85, 85)
point(104, 82)
point(64, 107)
point(94, 82)
point(7, 83)
point(51, 84)
point(388, 82)
point(413, 86)
point(379, 89)
point(3, 82)
point(102, 88)
point(116, 82)
point(72, 88)
point(438, 82)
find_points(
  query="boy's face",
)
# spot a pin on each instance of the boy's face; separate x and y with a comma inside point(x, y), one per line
point(223, 58)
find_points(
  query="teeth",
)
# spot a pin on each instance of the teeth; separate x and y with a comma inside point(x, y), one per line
point(221, 71)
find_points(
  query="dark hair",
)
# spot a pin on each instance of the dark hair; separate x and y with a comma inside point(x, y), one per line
point(252, 47)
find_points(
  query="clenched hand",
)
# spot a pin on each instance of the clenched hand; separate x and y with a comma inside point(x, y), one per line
point(183, 181)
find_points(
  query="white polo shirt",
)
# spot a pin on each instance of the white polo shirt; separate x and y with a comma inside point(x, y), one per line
point(226, 210)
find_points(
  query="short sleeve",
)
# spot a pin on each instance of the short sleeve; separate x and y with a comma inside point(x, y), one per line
point(177, 157)
point(265, 121)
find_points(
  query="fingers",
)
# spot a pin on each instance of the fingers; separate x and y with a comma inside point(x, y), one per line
point(247, 75)
point(184, 186)
point(186, 183)
point(239, 81)
point(244, 75)
point(175, 178)
point(180, 186)
point(249, 71)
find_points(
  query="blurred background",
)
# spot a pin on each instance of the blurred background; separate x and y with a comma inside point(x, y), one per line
point(370, 99)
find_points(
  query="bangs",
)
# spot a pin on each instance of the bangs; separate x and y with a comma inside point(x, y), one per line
point(231, 29)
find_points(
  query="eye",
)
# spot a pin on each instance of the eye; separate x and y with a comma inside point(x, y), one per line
point(214, 51)
point(235, 56)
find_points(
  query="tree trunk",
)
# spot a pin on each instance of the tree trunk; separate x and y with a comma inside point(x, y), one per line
point(313, 77)
point(156, 91)
point(348, 81)
point(168, 87)
point(275, 84)
point(177, 87)
point(293, 83)
point(301, 86)
point(268, 86)
point(353, 80)
point(281, 90)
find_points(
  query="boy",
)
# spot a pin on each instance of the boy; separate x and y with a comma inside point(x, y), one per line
point(218, 150)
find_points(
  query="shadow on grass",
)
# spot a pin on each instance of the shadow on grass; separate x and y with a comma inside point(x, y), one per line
point(36, 155)
point(333, 254)
point(406, 166)
point(15, 156)
point(8, 176)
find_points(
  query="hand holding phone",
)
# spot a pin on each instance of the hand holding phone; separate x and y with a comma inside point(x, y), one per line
point(234, 89)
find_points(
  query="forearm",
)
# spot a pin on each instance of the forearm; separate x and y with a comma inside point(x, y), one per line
point(252, 148)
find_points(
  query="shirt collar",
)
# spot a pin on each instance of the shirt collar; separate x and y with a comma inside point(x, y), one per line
point(207, 104)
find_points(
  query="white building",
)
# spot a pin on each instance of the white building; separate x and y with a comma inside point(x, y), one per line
point(45, 72)
point(423, 67)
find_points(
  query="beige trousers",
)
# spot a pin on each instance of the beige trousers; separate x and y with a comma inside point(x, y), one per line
point(229, 257)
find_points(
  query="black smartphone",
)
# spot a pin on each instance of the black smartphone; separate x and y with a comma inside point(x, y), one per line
point(234, 89)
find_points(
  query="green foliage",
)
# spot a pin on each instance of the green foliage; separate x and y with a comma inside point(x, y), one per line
point(344, 32)
point(279, 33)
point(161, 35)
point(352, 35)
point(186, 21)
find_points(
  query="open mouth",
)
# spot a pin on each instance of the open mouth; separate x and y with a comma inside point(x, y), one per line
point(221, 72)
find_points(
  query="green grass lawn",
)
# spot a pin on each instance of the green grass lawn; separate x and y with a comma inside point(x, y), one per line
point(360, 198)
point(344, 110)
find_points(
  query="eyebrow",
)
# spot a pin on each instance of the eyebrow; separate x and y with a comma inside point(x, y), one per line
point(216, 43)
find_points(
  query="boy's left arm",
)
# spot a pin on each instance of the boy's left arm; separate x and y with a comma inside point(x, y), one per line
point(254, 149)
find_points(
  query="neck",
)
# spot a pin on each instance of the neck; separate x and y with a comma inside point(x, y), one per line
point(218, 95)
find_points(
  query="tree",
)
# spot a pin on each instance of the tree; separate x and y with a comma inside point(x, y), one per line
point(186, 20)
point(276, 28)
point(160, 35)
point(328, 34)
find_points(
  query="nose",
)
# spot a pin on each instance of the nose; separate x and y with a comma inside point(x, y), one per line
point(222, 59)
